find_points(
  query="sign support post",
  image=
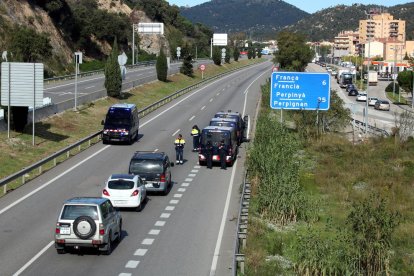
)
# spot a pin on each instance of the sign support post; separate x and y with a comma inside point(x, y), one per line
point(8, 106)
point(34, 103)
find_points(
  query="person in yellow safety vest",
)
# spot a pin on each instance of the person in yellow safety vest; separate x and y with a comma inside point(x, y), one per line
point(179, 149)
point(195, 132)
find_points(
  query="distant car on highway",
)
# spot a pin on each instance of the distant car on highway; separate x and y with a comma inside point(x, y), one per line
point(125, 191)
point(349, 87)
point(361, 97)
point(334, 73)
point(372, 101)
point(154, 168)
point(88, 222)
point(382, 105)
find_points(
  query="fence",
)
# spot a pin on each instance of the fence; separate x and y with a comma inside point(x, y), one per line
point(371, 129)
point(242, 221)
point(66, 152)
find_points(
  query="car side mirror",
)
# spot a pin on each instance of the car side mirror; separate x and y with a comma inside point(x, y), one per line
point(102, 122)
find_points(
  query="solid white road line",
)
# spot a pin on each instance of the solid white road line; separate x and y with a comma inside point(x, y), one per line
point(247, 92)
point(175, 133)
point(140, 252)
point(51, 181)
point(223, 223)
point(32, 260)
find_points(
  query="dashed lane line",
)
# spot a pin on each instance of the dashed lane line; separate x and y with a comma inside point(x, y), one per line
point(188, 179)
point(174, 201)
point(185, 184)
point(192, 117)
point(160, 223)
point(147, 241)
point(140, 252)
point(165, 215)
point(132, 264)
point(154, 232)
point(178, 195)
point(181, 190)
point(169, 208)
point(175, 133)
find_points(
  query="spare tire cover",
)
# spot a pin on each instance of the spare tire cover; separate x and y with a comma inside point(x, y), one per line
point(84, 227)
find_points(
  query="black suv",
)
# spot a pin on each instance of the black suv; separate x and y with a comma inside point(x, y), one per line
point(154, 168)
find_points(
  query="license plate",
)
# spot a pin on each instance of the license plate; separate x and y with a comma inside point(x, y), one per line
point(155, 185)
point(119, 201)
point(65, 230)
point(215, 158)
point(115, 139)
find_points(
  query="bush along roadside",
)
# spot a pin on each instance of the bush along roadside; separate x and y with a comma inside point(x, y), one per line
point(298, 228)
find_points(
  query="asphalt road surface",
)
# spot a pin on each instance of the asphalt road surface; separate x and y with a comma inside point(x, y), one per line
point(191, 231)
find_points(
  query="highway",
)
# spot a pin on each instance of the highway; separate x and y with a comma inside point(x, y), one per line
point(190, 231)
point(65, 90)
point(381, 119)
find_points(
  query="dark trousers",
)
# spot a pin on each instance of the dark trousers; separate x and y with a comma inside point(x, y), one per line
point(223, 160)
point(179, 154)
point(195, 142)
point(209, 159)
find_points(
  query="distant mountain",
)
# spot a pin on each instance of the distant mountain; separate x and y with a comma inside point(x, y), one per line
point(250, 16)
point(327, 23)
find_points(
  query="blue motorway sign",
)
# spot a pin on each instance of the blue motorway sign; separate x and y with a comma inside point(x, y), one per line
point(300, 90)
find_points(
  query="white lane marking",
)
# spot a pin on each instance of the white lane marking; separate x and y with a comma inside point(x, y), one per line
point(174, 201)
point(32, 260)
point(218, 94)
point(178, 195)
point(191, 118)
point(89, 87)
point(175, 133)
point(169, 208)
point(140, 252)
point(160, 223)
point(203, 107)
point(185, 184)
point(181, 190)
point(155, 150)
point(194, 171)
point(188, 179)
point(192, 175)
point(132, 264)
point(223, 222)
point(211, 100)
point(154, 232)
point(247, 91)
point(147, 241)
point(124, 274)
point(165, 215)
point(51, 181)
point(63, 85)
point(197, 167)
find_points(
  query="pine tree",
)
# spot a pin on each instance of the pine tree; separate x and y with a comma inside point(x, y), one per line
point(113, 78)
point(162, 66)
point(227, 56)
point(216, 56)
point(236, 54)
point(187, 67)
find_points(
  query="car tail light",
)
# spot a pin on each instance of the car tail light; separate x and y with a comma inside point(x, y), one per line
point(162, 178)
point(105, 192)
point(101, 229)
point(57, 231)
point(230, 151)
point(135, 193)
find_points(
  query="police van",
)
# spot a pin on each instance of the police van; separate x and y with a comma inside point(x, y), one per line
point(121, 124)
point(214, 135)
point(240, 122)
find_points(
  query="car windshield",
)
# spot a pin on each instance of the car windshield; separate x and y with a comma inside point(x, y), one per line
point(75, 211)
point(120, 184)
point(140, 166)
point(224, 115)
point(118, 117)
point(215, 137)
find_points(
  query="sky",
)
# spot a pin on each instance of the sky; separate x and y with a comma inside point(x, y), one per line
point(309, 6)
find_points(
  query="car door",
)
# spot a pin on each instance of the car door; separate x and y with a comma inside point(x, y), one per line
point(112, 218)
point(167, 170)
point(142, 189)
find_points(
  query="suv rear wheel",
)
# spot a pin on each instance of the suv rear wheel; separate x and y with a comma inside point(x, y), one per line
point(84, 227)
point(108, 248)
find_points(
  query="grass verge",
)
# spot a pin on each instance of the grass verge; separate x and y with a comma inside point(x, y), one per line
point(64, 129)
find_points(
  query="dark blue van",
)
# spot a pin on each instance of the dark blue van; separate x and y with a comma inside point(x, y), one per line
point(121, 124)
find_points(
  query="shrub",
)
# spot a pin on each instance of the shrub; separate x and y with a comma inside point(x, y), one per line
point(113, 78)
point(390, 88)
point(162, 66)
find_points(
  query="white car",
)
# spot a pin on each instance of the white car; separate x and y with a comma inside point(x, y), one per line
point(125, 191)
point(361, 97)
point(372, 101)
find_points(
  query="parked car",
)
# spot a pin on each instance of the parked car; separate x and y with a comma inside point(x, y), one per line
point(353, 92)
point(349, 87)
point(372, 101)
point(88, 222)
point(125, 191)
point(361, 97)
point(382, 105)
point(334, 73)
point(154, 168)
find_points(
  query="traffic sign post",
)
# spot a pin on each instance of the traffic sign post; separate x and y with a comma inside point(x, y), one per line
point(178, 52)
point(300, 91)
point(202, 68)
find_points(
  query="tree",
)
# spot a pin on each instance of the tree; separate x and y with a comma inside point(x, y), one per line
point(187, 67)
point(162, 66)
point(259, 53)
point(29, 46)
point(113, 78)
point(253, 53)
point(236, 54)
point(227, 56)
point(250, 53)
point(293, 53)
point(216, 56)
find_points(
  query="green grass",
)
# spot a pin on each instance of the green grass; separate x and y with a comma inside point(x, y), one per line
point(394, 98)
point(64, 129)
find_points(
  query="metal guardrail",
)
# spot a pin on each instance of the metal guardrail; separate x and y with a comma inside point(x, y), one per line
point(95, 72)
point(239, 258)
point(372, 129)
point(23, 174)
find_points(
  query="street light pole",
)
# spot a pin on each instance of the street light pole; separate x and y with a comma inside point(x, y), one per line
point(399, 92)
point(369, 63)
point(393, 71)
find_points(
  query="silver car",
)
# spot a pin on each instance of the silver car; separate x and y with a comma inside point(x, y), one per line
point(88, 222)
point(382, 105)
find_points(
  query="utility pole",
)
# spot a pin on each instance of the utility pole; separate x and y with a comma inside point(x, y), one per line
point(369, 63)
